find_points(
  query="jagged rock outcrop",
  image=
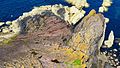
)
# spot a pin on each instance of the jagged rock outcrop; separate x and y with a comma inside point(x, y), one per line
point(40, 35)
point(90, 30)
point(46, 41)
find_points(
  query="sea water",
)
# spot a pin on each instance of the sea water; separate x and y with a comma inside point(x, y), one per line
point(12, 9)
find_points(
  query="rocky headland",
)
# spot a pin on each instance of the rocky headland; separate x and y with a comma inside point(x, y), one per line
point(54, 37)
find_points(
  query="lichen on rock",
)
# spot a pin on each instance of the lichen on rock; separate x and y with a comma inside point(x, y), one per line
point(45, 38)
point(86, 28)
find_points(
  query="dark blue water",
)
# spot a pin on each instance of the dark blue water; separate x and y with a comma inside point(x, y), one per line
point(12, 9)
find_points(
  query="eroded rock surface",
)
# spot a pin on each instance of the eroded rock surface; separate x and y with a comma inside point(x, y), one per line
point(47, 41)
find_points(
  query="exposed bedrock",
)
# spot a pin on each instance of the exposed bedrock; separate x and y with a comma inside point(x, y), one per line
point(47, 41)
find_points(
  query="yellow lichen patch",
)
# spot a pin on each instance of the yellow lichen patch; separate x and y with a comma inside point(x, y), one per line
point(75, 64)
point(69, 51)
point(91, 13)
point(81, 55)
point(77, 50)
point(77, 43)
point(8, 41)
point(80, 48)
point(83, 47)
point(83, 65)
point(72, 55)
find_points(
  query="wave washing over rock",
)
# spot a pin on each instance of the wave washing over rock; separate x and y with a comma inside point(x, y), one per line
point(54, 37)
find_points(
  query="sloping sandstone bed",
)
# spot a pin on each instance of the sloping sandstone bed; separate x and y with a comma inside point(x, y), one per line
point(47, 41)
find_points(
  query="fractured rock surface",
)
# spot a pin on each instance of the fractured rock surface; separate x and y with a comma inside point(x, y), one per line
point(40, 36)
point(47, 41)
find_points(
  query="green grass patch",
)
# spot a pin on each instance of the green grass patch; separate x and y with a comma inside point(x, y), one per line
point(74, 64)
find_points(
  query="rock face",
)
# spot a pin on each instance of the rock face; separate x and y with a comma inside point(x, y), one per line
point(47, 41)
point(90, 30)
point(39, 36)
